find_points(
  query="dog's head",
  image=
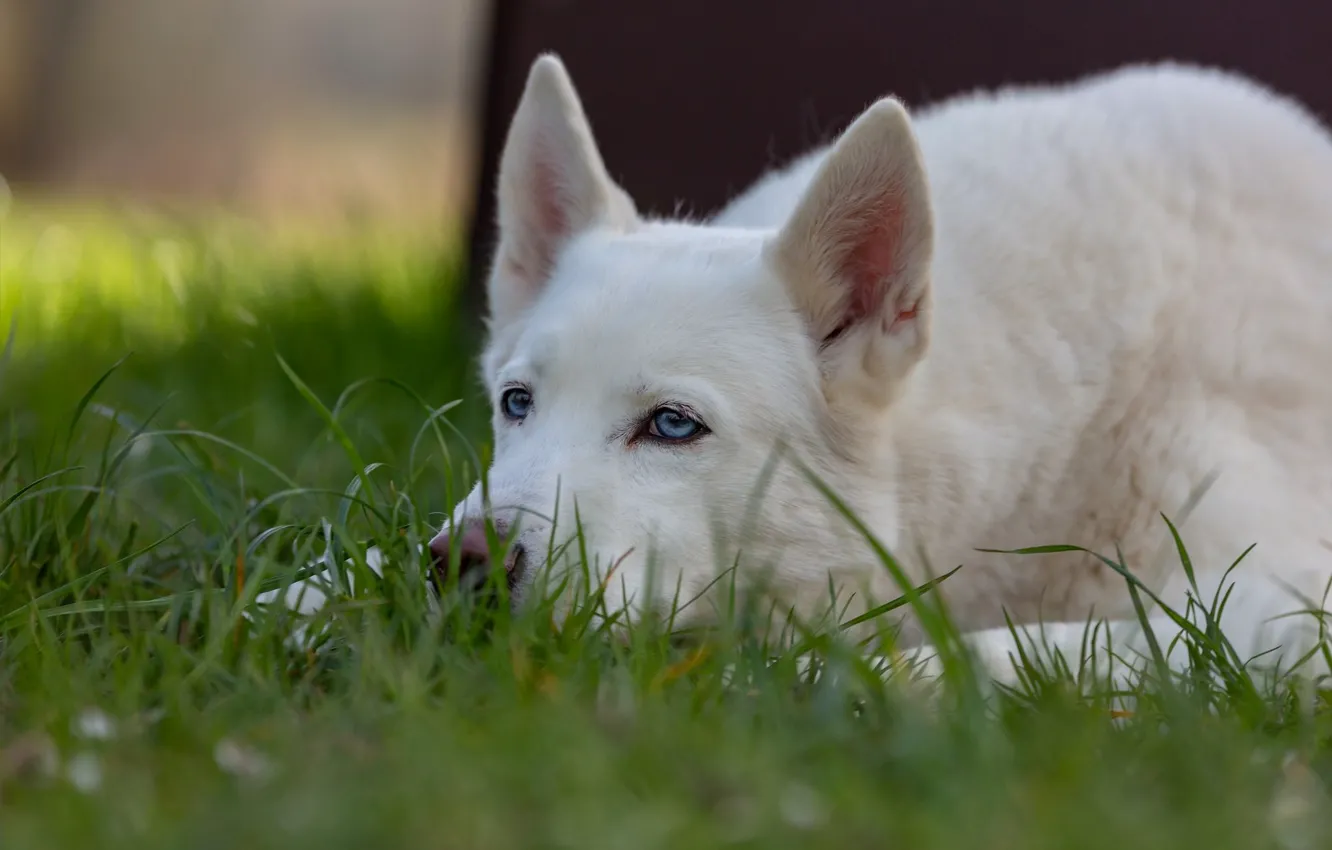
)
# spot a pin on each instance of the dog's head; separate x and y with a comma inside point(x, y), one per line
point(670, 387)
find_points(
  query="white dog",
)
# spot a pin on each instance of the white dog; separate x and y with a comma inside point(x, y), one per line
point(1033, 316)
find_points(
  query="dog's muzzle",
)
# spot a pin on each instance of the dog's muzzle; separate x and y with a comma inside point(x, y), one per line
point(474, 557)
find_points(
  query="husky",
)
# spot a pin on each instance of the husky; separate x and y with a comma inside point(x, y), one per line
point(1047, 314)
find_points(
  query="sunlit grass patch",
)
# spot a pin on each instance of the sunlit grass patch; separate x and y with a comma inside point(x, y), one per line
point(162, 277)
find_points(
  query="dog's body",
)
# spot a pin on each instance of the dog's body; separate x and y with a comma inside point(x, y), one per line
point(1041, 316)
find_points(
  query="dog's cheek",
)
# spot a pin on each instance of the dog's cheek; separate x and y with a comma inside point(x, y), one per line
point(686, 541)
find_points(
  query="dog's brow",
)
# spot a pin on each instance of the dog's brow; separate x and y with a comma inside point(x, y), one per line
point(541, 353)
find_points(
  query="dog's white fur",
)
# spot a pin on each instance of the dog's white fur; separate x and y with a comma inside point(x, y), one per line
point(1041, 315)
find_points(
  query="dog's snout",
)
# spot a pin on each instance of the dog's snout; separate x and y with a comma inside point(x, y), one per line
point(473, 550)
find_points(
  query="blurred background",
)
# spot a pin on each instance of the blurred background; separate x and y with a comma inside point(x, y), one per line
point(310, 109)
point(196, 195)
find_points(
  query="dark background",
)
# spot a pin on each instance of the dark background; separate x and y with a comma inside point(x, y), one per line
point(691, 100)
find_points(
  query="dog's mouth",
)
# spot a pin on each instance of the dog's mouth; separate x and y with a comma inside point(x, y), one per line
point(515, 566)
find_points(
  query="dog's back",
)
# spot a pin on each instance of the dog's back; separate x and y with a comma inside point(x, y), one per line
point(1134, 285)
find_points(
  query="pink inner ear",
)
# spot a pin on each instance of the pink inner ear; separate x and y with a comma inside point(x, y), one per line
point(870, 264)
point(548, 199)
point(548, 222)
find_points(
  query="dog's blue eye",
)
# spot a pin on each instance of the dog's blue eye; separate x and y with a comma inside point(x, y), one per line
point(672, 425)
point(516, 403)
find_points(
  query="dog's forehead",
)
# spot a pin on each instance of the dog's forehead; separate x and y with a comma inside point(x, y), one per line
point(663, 263)
point(660, 296)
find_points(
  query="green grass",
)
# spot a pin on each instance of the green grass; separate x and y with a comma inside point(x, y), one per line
point(159, 467)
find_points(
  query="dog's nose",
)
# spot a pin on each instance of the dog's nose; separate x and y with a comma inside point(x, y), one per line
point(473, 550)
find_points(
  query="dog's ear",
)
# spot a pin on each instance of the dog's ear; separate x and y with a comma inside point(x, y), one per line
point(552, 185)
point(855, 256)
